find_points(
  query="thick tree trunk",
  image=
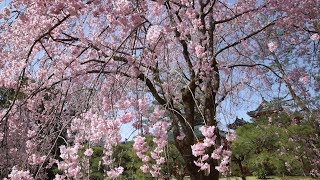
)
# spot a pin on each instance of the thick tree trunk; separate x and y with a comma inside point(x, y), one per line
point(193, 170)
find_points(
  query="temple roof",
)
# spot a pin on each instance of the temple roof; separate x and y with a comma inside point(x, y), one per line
point(237, 123)
point(266, 108)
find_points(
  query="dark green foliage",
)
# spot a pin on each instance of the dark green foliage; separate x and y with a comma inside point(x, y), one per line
point(175, 165)
point(126, 158)
point(273, 148)
point(96, 169)
point(7, 95)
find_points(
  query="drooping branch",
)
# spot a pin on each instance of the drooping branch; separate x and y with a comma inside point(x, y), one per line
point(296, 98)
point(226, 93)
point(141, 77)
point(22, 74)
point(153, 91)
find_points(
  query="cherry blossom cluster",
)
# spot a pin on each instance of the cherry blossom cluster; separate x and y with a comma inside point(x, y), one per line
point(159, 132)
point(224, 163)
point(156, 114)
point(108, 161)
point(315, 37)
point(95, 129)
point(70, 164)
point(19, 174)
point(143, 110)
point(115, 172)
point(199, 150)
point(33, 159)
point(88, 152)
point(140, 147)
point(231, 136)
point(272, 46)
point(153, 34)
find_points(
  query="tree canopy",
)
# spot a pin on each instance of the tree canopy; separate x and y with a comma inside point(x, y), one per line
point(73, 72)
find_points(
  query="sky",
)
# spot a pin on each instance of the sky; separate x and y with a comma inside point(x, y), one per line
point(3, 3)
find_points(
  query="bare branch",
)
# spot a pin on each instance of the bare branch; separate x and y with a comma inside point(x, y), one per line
point(253, 65)
point(243, 39)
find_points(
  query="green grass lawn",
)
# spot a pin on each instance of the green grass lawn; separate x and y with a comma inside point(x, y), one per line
point(272, 178)
point(269, 178)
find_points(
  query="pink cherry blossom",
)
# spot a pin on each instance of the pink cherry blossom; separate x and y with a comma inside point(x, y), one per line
point(207, 131)
point(181, 136)
point(199, 51)
point(153, 34)
point(272, 46)
point(88, 152)
point(205, 167)
point(116, 172)
point(1, 136)
point(315, 37)
point(157, 113)
point(140, 144)
point(209, 141)
point(126, 118)
point(59, 177)
point(35, 159)
point(304, 79)
point(216, 153)
point(144, 168)
point(231, 136)
point(198, 149)
point(19, 174)
point(122, 5)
